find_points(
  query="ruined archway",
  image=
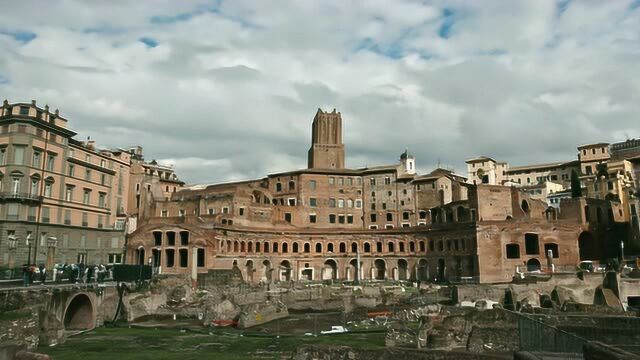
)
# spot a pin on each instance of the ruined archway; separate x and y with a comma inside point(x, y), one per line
point(423, 270)
point(353, 270)
point(533, 265)
point(79, 314)
point(267, 270)
point(330, 270)
point(402, 269)
point(380, 269)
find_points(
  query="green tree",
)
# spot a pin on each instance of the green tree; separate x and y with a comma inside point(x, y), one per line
point(576, 188)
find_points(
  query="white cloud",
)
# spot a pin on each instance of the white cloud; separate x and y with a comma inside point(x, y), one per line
point(231, 88)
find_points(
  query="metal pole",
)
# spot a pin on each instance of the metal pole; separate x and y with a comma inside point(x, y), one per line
point(29, 255)
point(622, 254)
point(358, 275)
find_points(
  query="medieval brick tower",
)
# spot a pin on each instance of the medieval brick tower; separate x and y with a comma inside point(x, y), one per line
point(327, 149)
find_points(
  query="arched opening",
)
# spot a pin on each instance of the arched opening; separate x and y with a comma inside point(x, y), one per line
point(533, 265)
point(551, 214)
point(267, 270)
point(402, 269)
point(354, 247)
point(295, 247)
point(353, 269)
point(401, 246)
point(307, 247)
point(140, 255)
point(391, 247)
point(242, 247)
point(412, 246)
point(285, 271)
point(380, 269)
point(379, 246)
point(367, 247)
point(318, 248)
point(423, 270)
point(275, 247)
point(330, 247)
point(343, 248)
point(249, 269)
point(330, 270)
point(587, 246)
point(441, 271)
point(525, 207)
point(236, 246)
point(156, 256)
point(285, 248)
point(79, 314)
point(257, 247)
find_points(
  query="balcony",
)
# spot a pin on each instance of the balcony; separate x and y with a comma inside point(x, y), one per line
point(19, 197)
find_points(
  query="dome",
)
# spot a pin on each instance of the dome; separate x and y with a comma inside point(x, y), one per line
point(406, 155)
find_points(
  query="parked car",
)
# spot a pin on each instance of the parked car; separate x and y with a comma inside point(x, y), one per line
point(586, 266)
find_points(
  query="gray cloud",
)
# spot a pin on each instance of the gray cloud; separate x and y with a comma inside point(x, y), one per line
point(231, 87)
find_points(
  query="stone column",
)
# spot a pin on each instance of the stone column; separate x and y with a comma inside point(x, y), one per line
point(194, 267)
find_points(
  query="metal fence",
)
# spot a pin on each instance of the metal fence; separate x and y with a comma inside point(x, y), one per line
point(538, 336)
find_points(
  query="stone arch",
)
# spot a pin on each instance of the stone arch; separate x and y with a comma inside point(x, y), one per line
point(533, 264)
point(257, 247)
point(367, 247)
point(412, 246)
point(318, 248)
point(140, 255)
point(380, 269)
point(330, 248)
point(79, 313)
point(354, 247)
point(267, 270)
point(242, 247)
point(236, 246)
point(403, 267)
point(330, 270)
point(274, 247)
point(285, 270)
point(352, 271)
point(296, 247)
point(285, 247)
point(307, 247)
point(525, 207)
point(391, 246)
point(342, 248)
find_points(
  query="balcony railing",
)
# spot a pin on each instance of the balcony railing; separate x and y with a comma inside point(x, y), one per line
point(19, 196)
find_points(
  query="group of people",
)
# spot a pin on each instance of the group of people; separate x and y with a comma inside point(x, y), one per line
point(74, 273)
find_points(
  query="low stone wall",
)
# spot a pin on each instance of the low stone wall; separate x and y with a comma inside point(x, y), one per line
point(257, 314)
point(328, 352)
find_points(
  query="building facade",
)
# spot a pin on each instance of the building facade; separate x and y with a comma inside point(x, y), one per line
point(328, 222)
point(58, 192)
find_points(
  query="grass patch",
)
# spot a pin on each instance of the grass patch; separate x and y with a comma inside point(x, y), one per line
point(14, 315)
point(169, 344)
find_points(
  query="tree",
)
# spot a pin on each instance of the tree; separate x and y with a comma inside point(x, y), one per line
point(576, 188)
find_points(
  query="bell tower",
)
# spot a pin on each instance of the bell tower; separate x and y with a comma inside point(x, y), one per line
point(327, 149)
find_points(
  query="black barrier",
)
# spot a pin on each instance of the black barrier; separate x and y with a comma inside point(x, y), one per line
point(131, 272)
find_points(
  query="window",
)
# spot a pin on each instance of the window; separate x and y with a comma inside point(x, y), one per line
point(372, 181)
point(103, 179)
point(390, 193)
point(423, 214)
point(341, 181)
point(332, 180)
point(200, 257)
point(349, 219)
point(553, 248)
point(278, 187)
point(184, 257)
point(358, 204)
point(68, 194)
point(513, 251)
point(24, 110)
point(3, 153)
point(292, 185)
point(101, 197)
point(332, 218)
point(86, 196)
point(181, 212)
point(373, 206)
point(70, 170)
point(350, 181)
point(291, 201)
point(87, 174)
point(12, 211)
point(47, 188)
point(384, 206)
point(31, 215)
point(34, 186)
point(18, 155)
point(35, 162)
point(405, 215)
point(341, 219)
point(184, 238)
point(287, 217)
point(225, 210)
point(349, 203)
point(340, 203)
point(164, 213)
point(51, 160)
point(211, 211)
point(359, 181)
point(312, 218)
point(115, 259)
point(85, 219)
point(387, 180)
point(531, 244)
point(374, 217)
point(313, 202)
point(389, 217)
point(171, 238)
point(332, 203)
point(312, 184)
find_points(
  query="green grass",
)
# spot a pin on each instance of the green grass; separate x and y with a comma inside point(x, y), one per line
point(168, 344)
point(14, 315)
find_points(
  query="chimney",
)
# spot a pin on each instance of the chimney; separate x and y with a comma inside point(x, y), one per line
point(46, 109)
point(57, 112)
point(5, 102)
point(33, 102)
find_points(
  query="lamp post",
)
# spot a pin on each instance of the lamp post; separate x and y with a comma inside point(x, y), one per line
point(621, 255)
point(12, 256)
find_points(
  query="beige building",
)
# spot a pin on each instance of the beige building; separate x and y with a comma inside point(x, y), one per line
point(59, 192)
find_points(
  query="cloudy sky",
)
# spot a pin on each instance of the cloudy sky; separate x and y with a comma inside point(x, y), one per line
point(228, 89)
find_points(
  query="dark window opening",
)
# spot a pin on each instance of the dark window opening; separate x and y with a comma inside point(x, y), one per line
point(171, 238)
point(157, 237)
point(200, 257)
point(184, 258)
point(184, 238)
point(553, 248)
point(513, 251)
point(531, 244)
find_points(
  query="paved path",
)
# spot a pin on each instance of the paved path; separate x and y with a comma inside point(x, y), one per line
point(12, 285)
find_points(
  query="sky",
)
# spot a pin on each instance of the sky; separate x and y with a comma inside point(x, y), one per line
point(227, 90)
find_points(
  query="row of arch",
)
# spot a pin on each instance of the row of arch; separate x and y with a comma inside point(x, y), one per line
point(242, 247)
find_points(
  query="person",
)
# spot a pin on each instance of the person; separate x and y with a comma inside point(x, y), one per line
point(96, 273)
point(25, 275)
point(32, 273)
point(43, 273)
